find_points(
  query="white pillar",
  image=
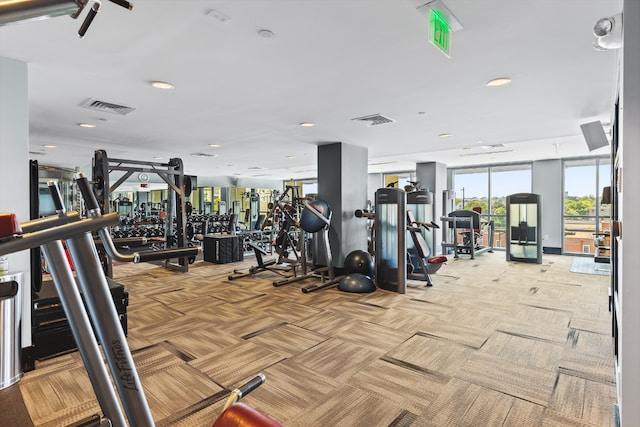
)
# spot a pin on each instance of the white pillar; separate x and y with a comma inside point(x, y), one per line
point(14, 167)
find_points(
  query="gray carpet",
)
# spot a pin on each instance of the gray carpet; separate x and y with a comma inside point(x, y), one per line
point(586, 265)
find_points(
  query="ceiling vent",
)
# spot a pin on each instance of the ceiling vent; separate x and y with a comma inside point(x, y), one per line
point(374, 119)
point(37, 153)
point(107, 107)
point(484, 153)
point(204, 155)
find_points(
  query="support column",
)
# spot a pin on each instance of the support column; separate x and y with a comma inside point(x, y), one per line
point(433, 177)
point(14, 171)
point(342, 183)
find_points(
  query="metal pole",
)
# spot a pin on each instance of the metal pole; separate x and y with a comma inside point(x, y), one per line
point(81, 328)
point(109, 330)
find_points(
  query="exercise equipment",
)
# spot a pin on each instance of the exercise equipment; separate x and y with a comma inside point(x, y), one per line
point(48, 232)
point(16, 11)
point(310, 221)
point(524, 228)
point(466, 230)
point(370, 217)
point(316, 211)
point(421, 204)
point(238, 414)
point(284, 219)
point(359, 261)
point(390, 245)
point(357, 283)
point(421, 263)
point(176, 235)
point(262, 266)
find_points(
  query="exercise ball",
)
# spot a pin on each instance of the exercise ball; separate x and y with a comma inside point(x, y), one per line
point(309, 221)
point(359, 261)
point(357, 282)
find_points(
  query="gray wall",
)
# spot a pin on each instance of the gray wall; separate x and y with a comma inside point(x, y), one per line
point(547, 181)
point(433, 177)
point(342, 182)
point(14, 171)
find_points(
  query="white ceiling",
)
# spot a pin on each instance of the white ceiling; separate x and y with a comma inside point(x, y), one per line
point(329, 62)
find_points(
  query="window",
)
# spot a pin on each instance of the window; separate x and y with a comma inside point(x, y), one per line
point(584, 216)
point(487, 188)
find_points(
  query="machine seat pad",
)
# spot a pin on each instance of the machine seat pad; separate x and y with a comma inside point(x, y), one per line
point(437, 259)
point(241, 415)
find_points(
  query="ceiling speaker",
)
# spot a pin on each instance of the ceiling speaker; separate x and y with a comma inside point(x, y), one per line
point(594, 135)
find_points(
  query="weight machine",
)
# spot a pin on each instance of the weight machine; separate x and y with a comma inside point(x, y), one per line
point(466, 230)
point(48, 232)
point(179, 189)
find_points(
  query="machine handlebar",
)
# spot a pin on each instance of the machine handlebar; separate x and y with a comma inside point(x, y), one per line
point(247, 387)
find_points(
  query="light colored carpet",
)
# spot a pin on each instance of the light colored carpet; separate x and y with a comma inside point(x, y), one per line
point(492, 343)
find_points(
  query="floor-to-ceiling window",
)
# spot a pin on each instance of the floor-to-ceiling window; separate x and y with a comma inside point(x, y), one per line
point(506, 180)
point(486, 188)
point(584, 216)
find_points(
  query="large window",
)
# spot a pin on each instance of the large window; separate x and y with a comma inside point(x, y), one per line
point(584, 216)
point(486, 189)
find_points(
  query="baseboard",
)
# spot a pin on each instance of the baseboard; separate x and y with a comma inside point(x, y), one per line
point(550, 250)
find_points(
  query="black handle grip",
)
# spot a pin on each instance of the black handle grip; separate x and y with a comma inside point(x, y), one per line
point(251, 385)
point(56, 196)
point(359, 213)
point(168, 254)
point(88, 19)
point(85, 189)
point(123, 3)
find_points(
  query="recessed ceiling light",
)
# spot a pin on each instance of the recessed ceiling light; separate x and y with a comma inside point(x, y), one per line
point(445, 135)
point(214, 145)
point(290, 157)
point(466, 148)
point(500, 81)
point(86, 125)
point(162, 85)
point(267, 34)
point(307, 124)
point(49, 146)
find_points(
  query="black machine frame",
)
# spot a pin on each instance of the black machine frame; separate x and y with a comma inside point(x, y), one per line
point(179, 189)
point(467, 221)
point(524, 233)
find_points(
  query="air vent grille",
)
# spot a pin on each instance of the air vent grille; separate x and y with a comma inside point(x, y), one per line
point(485, 153)
point(204, 155)
point(374, 119)
point(107, 107)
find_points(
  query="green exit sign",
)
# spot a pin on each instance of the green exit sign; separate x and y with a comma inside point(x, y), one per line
point(440, 31)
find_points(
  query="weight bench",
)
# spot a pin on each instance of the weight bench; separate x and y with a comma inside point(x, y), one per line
point(419, 256)
point(261, 267)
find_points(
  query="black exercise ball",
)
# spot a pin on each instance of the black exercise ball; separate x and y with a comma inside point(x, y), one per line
point(357, 282)
point(359, 261)
point(309, 221)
